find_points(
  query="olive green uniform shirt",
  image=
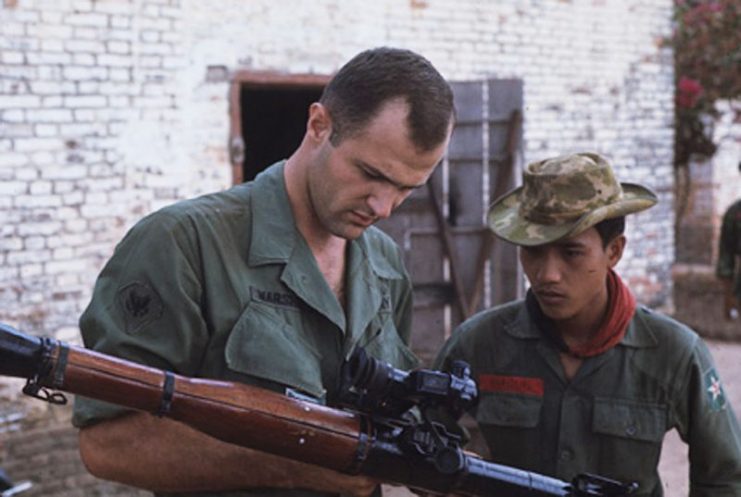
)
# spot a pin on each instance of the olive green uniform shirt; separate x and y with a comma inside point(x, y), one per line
point(611, 418)
point(225, 287)
point(728, 266)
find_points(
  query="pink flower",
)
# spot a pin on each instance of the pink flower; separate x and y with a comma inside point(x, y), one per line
point(701, 13)
point(715, 7)
point(688, 92)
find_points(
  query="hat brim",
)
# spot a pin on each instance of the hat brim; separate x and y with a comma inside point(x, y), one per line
point(506, 222)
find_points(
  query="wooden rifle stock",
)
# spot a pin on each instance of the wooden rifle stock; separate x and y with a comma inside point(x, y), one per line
point(252, 417)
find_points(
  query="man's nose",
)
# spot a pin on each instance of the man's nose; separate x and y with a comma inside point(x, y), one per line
point(382, 201)
point(549, 269)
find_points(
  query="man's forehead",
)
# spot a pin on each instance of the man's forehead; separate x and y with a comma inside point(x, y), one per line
point(392, 176)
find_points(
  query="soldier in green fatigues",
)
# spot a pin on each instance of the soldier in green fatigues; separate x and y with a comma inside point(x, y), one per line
point(576, 377)
point(728, 268)
point(271, 283)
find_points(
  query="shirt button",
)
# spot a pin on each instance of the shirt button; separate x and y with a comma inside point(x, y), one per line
point(566, 455)
point(631, 430)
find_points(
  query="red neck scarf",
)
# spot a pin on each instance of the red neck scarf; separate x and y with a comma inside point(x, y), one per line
point(621, 306)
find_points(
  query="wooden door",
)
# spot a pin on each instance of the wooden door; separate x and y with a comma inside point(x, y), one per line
point(456, 265)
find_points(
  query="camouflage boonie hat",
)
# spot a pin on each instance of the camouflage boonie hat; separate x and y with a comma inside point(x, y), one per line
point(563, 197)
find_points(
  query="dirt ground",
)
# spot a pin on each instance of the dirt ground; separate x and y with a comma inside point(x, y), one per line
point(673, 466)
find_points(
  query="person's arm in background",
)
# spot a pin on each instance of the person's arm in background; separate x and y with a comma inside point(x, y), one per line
point(730, 304)
point(726, 266)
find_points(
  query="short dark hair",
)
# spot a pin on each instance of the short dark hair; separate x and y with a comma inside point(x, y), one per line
point(372, 78)
point(609, 229)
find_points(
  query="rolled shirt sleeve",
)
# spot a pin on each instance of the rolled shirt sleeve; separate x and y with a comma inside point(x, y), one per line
point(146, 306)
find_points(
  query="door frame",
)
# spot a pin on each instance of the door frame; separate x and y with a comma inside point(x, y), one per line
point(258, 79)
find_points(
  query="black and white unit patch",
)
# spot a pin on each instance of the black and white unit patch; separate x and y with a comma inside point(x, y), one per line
point(140, 304)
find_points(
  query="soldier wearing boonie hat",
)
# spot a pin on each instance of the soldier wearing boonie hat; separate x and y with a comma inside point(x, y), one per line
point(576, 378)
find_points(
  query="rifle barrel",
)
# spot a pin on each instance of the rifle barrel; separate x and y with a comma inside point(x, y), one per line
point(20, 354)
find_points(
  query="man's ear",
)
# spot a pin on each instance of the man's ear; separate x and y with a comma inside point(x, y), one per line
point(319, 124)
point(615, 249)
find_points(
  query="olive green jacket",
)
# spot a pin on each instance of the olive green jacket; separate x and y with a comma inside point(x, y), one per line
point(224, 287)
point(729, 253)
point(611, 418)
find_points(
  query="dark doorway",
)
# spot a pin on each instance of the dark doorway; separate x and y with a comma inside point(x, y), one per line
point(267, 115)
point(273, 123)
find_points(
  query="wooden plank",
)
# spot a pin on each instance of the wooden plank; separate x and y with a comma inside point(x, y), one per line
point(466, 193)
point(429, 333)
point(426, 262)
point(505, 95)
point(466, 143)
point(468, 97)
point(450, 251)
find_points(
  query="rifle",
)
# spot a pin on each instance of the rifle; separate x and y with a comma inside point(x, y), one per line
point(380, 438)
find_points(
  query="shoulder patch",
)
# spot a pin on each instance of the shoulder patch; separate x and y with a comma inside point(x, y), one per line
point(140, 304)
point(714, 390)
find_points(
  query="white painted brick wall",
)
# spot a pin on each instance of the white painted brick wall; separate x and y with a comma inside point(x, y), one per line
point(72, 78)
point(106, 113)
point(725, 164)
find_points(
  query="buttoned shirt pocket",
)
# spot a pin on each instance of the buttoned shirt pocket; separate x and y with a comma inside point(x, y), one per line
point(266, 343)
point(629, 419)
point(383, 342)
point(504, 409)
point(510, 423)
point(629, 435)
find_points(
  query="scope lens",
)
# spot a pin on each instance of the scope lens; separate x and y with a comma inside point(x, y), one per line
point(370, 374)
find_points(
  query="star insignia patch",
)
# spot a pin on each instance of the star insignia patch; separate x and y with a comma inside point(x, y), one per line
point(714, 390)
